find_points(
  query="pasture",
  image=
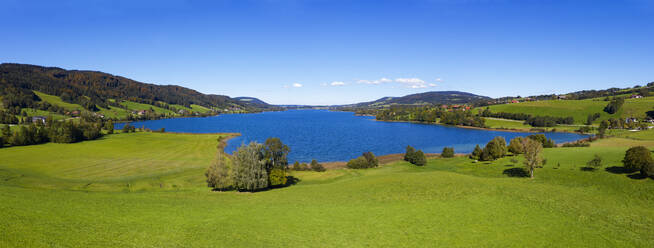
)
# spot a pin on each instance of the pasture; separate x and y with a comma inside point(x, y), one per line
point(147, 190)
point(579, 109)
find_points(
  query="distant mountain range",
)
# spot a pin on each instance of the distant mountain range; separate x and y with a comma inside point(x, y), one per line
point(94, 90)
point(252, 101)
point(432, 97)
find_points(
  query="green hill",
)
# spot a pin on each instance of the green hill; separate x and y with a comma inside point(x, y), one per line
point(29, 86)
point(579, 109)
point(148, 190)
point(425, 98)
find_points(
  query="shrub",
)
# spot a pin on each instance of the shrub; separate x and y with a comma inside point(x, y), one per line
point(476, 153)
point(544, 141)
point(447, 152)
point(595, 163)
point(357, 163)
point(367, 160)
point(371, 159)
point(515, 146)
point(315, 166)
point(277, 177)
point(297, 166)
point(614, 105)
point(415, 157)
point(419, 158)
point(408, 155)
point(638, 158)
point(577, 144)
point(109, 126)
point(128, 128)
point(495, 149)
point(250, 168)
point(219, 173)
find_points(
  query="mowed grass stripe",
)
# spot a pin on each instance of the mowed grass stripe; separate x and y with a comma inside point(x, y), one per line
point(114, 156)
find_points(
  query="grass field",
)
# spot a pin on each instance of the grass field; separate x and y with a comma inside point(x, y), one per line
point(579, 109)
point(149, 192)
point(55, 100)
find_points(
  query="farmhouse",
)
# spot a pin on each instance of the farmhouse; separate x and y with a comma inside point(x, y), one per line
point(636, 96)
point(38, 119)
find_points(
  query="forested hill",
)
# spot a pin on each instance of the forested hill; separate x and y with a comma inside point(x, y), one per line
point(94, 90)
point(433, 97)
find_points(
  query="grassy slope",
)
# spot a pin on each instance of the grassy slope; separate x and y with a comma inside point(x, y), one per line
point(112, 112)
point(55, 100)
point(579, 109)
point(141, 160)
point(449, 202)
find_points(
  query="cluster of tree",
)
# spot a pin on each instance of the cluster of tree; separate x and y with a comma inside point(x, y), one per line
point(516, 145)
point(534, 121)
point(462, 118)
point(591, 118)
point(254, 167)
point(7, 117)
point(639, 158)
point(430, 114)
point(313, 166)
point(409, 113)
point(614, 105)
point(127, 128)
point(548, 121)
point(58, 132)
point(448, 152)
point(578, 143)
point(615, 123)
point(504, 115)
point(365, 161)
point(543, 140)
point(494, 149)
point(415, 157)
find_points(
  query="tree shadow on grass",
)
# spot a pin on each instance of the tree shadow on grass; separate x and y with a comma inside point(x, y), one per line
point(618, 170)
point(516, 172)
point(586, 168)
point(622, 170)
point(291, 180)
point(637, 176)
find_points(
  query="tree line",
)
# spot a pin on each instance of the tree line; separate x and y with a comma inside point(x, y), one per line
point(430, 114)
point(57, 132)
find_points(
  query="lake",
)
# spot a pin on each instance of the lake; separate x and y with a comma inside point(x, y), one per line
point(337, 136)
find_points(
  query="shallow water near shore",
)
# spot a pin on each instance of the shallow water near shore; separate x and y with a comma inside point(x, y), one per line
point(337, 136)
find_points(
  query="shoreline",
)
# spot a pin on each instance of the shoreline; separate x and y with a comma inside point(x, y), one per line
point(485, 128)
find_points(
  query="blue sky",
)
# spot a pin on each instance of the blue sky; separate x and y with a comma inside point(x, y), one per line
point(336, 52)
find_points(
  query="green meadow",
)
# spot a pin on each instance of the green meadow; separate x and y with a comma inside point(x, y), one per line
point(147, 190)
point(579, 109)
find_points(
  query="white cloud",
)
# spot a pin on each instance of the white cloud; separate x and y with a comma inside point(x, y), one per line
point(439, 80)
point(380, 81)
point(414, 83)
point(297, 85)
point(337, 83)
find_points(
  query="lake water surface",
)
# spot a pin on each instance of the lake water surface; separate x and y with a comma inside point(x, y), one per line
point(337, 136)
